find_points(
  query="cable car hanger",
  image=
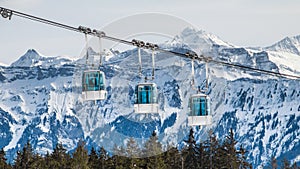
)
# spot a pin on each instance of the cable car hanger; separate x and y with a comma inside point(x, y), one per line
point(101, 53)
point(150, 46)
point(198, 89)
point(87, 49)
point(8, 13)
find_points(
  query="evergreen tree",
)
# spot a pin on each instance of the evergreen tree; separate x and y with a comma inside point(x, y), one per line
point(152, 147)
point(294, 166)
point(212, 156)
point(119, 159)
point(189, 153)
point(202, 156)
point(172, 158)
point(24, 158)
point(209, 155)
point(285, 164)
point(231, 154)
point(274, 164)
point(47, 160)
point(93, 159)
point(132, 148)
point(17, 163)
point(133, 154)
point(153, 153)
point(103, 158)
point(242, 159)
point(110, 163)
point(59, 158)
point(38, 162)
point(3, 163)
point(80, 157)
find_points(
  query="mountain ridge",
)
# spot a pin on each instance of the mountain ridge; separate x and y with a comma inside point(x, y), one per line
point(41, 102)
point(288, 44)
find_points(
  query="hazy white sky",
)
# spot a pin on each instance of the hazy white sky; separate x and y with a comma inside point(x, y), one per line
point(240, 22)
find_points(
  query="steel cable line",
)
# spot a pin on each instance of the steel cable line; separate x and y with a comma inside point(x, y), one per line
point(8, 13)
point(38, 19)
point(206, 59)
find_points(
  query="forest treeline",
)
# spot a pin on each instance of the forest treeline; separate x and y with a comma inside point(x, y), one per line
point(209, 154)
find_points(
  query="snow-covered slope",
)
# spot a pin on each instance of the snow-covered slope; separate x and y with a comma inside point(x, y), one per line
point(40, 99)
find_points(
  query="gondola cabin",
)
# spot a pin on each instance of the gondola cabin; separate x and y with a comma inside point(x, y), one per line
point(199, 110)
point(93, 85)
point(146, 98)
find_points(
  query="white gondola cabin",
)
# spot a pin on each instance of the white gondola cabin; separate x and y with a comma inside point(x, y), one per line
point(93, 85)
point(146, 98)
point(199, 110)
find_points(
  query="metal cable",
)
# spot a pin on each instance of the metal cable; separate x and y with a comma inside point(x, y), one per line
point(185, 55)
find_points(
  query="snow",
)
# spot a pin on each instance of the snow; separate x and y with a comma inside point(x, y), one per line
point(288, 62)
point(68, 143)
point(4, 65)
point(193, 37)
point(17, 131)
point(297, 159)
point(58, 97)
point(45, 128)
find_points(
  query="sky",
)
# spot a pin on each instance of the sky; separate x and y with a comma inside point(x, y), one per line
point(248, 23)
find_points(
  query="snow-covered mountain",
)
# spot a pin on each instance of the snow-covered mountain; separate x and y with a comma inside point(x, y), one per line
point(40, 99)
point(33, 59)
point(288, 44)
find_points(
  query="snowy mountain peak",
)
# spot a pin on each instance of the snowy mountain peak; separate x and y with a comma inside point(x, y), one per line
point(199, 40)
point(32, 58)
point(29, 59)
point(288, 44)
point(202, 36)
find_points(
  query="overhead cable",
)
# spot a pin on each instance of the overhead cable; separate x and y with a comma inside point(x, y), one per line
point(8, 13)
